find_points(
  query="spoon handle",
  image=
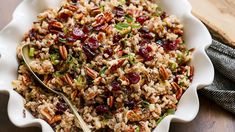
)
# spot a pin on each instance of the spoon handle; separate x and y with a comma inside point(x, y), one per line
point(81, 121)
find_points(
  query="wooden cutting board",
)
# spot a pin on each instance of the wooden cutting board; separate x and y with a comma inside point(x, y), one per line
point(219, 16)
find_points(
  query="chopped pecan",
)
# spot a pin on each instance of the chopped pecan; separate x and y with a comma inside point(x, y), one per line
point(74, 95)
point(110, 101)
point(191, 71)
point(45, 112)
point(93, 74)
point(116, 66)
point(63, 52)
point(55, 119)
point(163, 73)
point(132, 116)
point(179, 93)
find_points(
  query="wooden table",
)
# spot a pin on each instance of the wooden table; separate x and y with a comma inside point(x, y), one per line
point(211, 118)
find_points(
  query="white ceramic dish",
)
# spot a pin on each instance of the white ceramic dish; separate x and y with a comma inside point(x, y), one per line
point(196, 35)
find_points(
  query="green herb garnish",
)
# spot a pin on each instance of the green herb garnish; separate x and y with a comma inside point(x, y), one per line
point(129, 19)
point(102, 71)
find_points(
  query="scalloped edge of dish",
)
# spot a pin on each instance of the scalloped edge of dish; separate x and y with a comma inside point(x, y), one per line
point(197, 36)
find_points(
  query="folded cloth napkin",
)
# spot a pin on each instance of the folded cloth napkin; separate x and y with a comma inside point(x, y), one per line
point(222, 90)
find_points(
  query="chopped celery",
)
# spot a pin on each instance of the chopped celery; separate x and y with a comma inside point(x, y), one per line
point(31, 52)
point(80, 81)
point(137, 129)
point(55, 58)
point(121, 26)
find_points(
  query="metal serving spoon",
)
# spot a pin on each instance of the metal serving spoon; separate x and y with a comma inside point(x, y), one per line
point(27, 60)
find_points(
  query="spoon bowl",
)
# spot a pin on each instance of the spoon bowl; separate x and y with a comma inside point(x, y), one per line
point(27, 59)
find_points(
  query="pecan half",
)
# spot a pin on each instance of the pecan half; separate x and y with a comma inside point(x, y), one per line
point(163, 73)
point(71, 7)
point(63, 52)
point(55, 119)
point(179, 90)
point(65, 14)
point(175, 86)
point(99, 20)
point(108, 16)
point(92, 73)
point(68, 79)
point(95, 11)
point(55, 26)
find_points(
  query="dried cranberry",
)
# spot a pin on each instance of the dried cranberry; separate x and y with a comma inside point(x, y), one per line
point(128, 2)
point(133, 77)
point(85, 29)
point(118, 11)
point(92, 43)
point(143, 52)
point(100, 27)
point(148, 58)
point(88, 52)
point(79, 34)
point(116, 86)
point(143, 30)
point(109, 51)
point(130, 104)
point(142, 19)
point(32, 34)
point(74, 1)
point(163, 15)
point(61, 108)
point(70, 39)
point(147, 36)
point(143, 42)
point(116, 38)
point(102, 109)
point(170, 46)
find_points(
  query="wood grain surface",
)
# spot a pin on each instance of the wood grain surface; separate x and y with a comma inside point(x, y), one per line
point(211, 118)
point(219, 15)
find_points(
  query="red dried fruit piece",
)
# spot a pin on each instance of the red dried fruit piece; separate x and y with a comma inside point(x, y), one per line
point(109, 51)
point(90, 54)
point(92, 42)
point(133, 77)
point(116, 86)
point(116, 38)
point(101, 109)
point(118, 11)
point(170, 46)
point(130, 104)
point(142, 19)
point(143, 30)
point(77, 33)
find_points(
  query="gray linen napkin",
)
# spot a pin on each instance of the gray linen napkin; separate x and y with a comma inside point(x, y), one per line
point(222, 90)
